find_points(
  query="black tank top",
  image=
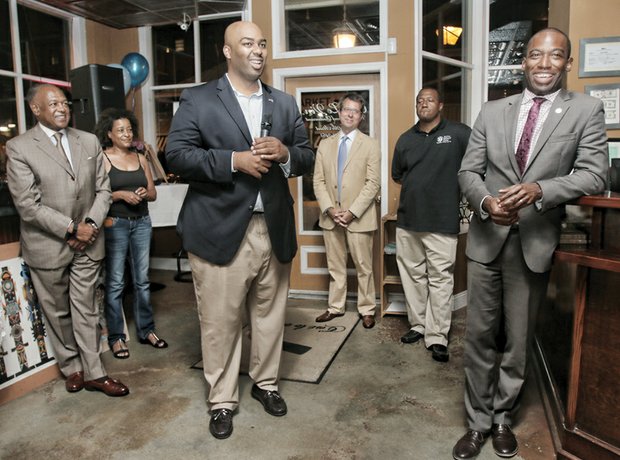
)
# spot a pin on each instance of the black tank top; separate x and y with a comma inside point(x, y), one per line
point(130, 181)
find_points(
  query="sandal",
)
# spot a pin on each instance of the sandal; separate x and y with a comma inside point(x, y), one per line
point(154, 341)
point(120, 350)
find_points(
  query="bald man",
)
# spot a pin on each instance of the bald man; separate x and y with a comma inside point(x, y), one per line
point(62, 194)
point(237, 142)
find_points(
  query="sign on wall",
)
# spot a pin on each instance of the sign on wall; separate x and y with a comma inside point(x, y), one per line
point(24, 346)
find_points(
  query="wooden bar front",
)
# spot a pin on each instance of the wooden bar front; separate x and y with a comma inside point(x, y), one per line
point(578, 339)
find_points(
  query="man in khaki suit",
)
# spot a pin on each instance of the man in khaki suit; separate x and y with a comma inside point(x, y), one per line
point(346, 181)
point(62, 193)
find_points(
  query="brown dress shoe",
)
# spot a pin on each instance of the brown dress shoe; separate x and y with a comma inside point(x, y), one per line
point(368, 321)
point(504, 441)
point(107, 385)
point(469, 445)
point(75, 382)
point(327, 316)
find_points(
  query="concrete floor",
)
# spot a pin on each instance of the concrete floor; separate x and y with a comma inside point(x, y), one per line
point(380, 399)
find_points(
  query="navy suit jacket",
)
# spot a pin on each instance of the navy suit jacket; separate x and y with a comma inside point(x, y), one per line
point(207, 127)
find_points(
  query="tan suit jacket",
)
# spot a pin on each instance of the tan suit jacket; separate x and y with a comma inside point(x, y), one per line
point(48, 194)
point(361, 181)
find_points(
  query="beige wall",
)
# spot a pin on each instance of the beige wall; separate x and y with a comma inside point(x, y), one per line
point(591, 19)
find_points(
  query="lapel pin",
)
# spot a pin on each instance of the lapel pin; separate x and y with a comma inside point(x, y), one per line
point(558, 110)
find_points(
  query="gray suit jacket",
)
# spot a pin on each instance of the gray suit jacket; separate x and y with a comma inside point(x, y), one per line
point(569, 160)
point(361, 181)
point(208, 126)
point(48, 194)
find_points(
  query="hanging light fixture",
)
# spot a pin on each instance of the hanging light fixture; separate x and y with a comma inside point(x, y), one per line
point(344, 35)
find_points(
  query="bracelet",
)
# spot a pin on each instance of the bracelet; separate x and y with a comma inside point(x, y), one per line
point(92, 223)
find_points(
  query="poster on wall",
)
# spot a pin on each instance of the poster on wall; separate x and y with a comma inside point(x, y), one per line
point(24, 346)
point(319, 110)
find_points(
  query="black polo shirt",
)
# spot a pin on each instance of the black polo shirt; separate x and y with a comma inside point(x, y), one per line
point(427, 164)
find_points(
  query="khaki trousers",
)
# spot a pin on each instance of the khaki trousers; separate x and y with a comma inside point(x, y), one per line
point(426, 265)
point(359, 244)
point(67, 297)
point(254, 285)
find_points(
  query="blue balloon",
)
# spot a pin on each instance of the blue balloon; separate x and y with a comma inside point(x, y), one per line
point(137, 66)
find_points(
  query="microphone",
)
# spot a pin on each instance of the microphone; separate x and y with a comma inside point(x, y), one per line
point(265, 126)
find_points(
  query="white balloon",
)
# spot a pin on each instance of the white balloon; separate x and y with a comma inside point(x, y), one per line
point(126, 76)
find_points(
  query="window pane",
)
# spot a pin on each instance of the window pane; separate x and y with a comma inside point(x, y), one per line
point(44, 44)
point(166, 102)
point(6, 51)
point(449, 81)
point(212, 60)
point(443, 26)
point(311, 27)
point(174, 55)
point(8, 109)
point(512, 23)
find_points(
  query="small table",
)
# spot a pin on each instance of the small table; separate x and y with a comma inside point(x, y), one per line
point(164, 212)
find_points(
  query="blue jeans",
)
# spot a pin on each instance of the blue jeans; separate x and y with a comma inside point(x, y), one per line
point(128, 237)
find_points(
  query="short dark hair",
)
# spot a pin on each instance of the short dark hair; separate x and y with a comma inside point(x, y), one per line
point(107, 119)
point(432, 88)
point(554, 29)
point(355, 97)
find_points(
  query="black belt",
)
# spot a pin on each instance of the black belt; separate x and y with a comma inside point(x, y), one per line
point(130, 217)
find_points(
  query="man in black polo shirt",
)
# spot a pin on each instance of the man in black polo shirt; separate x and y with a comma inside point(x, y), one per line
point(427, 158)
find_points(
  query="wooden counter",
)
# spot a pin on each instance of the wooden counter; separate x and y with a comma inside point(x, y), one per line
point(578, 339)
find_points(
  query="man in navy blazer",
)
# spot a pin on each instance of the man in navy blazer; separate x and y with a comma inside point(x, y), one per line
point(517, 180)
point(237, 141)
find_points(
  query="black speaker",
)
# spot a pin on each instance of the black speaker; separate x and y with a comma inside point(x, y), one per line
point(95, 88)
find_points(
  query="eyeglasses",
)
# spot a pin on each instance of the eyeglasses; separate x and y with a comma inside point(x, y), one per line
point(56, 105)
point(350, 110)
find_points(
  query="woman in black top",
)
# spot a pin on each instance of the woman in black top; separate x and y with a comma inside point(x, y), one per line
point(127, 230)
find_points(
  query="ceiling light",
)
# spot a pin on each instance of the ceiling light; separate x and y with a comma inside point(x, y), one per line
point(450, 34)
point(344, 34)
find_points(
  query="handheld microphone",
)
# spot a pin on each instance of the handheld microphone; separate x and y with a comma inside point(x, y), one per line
point(265, 126)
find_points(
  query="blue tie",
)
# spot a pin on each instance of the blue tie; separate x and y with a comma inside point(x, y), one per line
point(342, 159)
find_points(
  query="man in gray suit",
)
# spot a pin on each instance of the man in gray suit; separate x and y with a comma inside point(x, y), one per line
point(237, 141)
point(528, 155)
point(62, 194)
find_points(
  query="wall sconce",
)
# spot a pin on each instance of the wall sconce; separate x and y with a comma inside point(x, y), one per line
point(450, 34)
point(344, 35)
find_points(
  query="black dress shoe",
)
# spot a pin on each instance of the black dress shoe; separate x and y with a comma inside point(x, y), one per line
point(221, 425)
point(469, 445)
point(440, 353)
point(411, 337)
point(271, 401)
point(504, 441)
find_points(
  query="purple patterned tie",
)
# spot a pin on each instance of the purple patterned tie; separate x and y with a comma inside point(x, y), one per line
point(523, 150)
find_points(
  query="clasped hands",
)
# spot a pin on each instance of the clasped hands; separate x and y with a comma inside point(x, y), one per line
point(85, 236)
point(504, 208)
point(136, 196)
point(342, 217)
point(258, 160)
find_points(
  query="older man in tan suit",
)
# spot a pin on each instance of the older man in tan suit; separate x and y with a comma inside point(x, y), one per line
point(62, 193)
point(347, 178)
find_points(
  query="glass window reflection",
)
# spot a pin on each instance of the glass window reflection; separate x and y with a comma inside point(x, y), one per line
point(212, 59)
point(511, 24)
point(6, 51)
point(44, 44)
point(310, 27)
point(449, 81)
point(443, 28)
point(173, 51)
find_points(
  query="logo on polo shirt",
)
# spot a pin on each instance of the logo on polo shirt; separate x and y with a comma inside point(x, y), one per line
point(444, 139)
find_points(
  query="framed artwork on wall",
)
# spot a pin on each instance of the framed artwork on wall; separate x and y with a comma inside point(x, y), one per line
point(599, 57)
point(610, 95)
